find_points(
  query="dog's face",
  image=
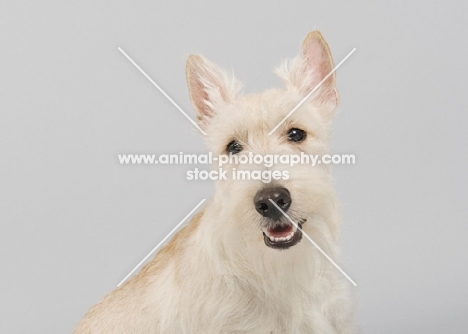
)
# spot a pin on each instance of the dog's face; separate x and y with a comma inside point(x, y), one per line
point(242, 125)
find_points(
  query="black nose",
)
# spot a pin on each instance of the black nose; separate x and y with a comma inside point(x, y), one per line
point(263, 205)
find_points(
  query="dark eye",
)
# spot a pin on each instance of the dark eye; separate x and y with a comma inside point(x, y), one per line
point(234, 147)
point(296, 135)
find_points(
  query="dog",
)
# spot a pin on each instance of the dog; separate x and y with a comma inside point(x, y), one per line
point(240, 266)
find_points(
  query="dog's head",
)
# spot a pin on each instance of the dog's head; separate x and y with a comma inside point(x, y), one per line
point(260, 124)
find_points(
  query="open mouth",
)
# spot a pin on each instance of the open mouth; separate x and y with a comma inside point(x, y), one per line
point(282, 236)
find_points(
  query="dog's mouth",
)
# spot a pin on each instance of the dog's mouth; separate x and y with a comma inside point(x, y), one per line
point(282, 236)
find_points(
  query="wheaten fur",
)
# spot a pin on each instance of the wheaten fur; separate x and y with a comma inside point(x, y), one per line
point(217, 275)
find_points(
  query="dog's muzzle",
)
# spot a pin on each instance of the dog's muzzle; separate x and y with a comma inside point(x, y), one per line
point(278, 232)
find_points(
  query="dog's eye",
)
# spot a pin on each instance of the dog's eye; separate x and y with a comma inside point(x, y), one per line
point(234, 147)
point(296, 135)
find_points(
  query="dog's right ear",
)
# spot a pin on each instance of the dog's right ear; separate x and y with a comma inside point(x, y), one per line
point(210, 87)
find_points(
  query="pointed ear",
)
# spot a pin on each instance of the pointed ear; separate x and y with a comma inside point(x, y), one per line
point(209, 88)
point(305, 72)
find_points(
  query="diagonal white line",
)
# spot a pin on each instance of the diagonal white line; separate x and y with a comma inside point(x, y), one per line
point(313, 243)
point(312, 91)
point(162, 241)
point(163, 92)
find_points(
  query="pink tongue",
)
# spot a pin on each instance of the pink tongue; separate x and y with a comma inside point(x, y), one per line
point(279, 232)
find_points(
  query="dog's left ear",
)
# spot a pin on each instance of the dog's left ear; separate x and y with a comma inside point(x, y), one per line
point(210, 88)
point(305, 72)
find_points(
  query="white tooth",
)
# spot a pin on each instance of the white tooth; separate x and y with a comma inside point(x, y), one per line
point(265, 230)
point(271, 238)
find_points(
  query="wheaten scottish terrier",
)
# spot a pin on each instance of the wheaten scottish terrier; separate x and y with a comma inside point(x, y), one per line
point(240, 266)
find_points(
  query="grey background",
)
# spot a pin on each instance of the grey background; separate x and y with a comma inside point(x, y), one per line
point(74, 222)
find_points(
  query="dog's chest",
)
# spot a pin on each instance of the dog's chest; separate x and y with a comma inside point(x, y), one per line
point(253, 310)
